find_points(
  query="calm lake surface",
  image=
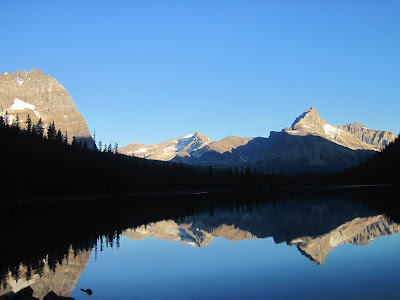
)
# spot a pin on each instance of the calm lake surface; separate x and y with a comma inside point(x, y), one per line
point(287, 247)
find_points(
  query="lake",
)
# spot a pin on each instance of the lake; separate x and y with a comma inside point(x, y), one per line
point(288, 245)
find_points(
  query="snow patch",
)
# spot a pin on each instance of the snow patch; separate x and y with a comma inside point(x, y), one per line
point(337, 238)
point(141, 150)
point(188, 136)
point(19, 80)
point(5, 73)
point(331, 131)
point(306, 126)
point(21, 105)
point(170, 149)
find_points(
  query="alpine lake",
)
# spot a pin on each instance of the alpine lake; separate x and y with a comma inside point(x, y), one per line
point(338, 243)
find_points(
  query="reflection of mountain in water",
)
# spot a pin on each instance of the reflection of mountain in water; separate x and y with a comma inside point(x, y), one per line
point(316, 227)
point(61, 280)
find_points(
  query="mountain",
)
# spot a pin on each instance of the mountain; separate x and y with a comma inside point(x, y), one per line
point(310, 144)
point(42, 96)
point(354, 136)
point(315, 228)
point(182, 146)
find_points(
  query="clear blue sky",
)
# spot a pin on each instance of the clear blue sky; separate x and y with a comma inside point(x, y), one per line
point(147, 71)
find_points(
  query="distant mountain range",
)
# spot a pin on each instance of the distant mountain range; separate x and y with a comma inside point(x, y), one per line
point(310, 144)
point(41, 96)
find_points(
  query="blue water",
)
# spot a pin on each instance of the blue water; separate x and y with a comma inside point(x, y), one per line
point(153, 268)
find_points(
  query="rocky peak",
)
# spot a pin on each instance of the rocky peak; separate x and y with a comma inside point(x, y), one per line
point(309, 119)
point(169, 149)
point(376, 138)
point(22, 76)
point(355, 125)
point(353, 135)
point(40, 96)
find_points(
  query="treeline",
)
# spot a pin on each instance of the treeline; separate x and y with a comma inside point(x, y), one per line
point(39, 162)
point(383, 167)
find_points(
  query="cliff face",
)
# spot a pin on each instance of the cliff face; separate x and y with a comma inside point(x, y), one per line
point(377, 138)
point(41, 96)
point(62, 281)
point(354, 136)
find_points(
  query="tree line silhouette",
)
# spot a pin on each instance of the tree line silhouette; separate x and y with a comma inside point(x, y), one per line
point(41, 162)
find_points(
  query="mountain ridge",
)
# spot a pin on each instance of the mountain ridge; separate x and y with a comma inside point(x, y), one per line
point(310, 144)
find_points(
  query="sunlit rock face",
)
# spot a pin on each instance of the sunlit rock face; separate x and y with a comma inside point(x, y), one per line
point(165, 151)
point(314, 228)
point(376, 138)
point(41, 96)
point(62, 280)
point(354, 136)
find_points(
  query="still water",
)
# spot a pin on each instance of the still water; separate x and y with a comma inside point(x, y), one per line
point(327, 248)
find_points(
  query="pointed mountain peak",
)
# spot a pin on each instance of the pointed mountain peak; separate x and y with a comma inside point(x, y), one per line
point(310, 113)
point(310, 118)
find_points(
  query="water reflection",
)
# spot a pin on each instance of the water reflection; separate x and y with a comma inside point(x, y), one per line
point(314, 227)
point(60, 278)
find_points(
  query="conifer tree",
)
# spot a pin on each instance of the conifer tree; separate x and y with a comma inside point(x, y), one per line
point(6, 118)
point(2, 122)
point(15, 123)
point(66, 137)
point(51, 132)
point(59, 137)
point(28, 123)
point(38, 128)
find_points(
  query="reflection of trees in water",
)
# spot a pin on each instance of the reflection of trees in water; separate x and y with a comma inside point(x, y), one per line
point(42, 235)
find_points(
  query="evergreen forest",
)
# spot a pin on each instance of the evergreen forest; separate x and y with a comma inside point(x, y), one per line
point(38, 162)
